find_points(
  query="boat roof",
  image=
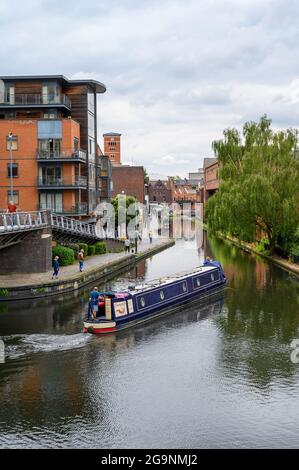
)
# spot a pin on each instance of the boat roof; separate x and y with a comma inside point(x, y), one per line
point(169, 279)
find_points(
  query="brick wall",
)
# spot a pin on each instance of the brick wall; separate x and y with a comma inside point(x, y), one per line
point(129, 179)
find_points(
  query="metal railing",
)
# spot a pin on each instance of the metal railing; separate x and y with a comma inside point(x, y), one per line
point(74, 226)
point(55, 182)
point(37, 99)
point(77, 209)
point(65, 154)
point(23, 221)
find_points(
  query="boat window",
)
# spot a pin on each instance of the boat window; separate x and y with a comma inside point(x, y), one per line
point(212, 277)
point(198, 281)
point(184, 287)
point(142, 301)
point(162, 295)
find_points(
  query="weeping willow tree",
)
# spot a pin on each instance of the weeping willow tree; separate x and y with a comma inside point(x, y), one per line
point(259, 173)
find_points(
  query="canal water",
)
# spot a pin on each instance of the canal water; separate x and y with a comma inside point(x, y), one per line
point(214, 375)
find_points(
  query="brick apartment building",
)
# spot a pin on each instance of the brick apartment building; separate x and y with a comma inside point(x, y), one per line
point(185, 191)
point(53, 122)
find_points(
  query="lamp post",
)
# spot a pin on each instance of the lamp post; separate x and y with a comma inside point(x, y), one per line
point(10, 139)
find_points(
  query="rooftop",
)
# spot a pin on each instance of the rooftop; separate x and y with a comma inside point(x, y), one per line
point(98, 87)
point(111, 134)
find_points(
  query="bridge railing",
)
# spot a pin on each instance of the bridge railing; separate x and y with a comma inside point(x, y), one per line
point(17, 221)
point(71, 225)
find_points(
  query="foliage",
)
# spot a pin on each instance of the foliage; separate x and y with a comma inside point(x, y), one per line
point(130, 200)
point(263, 246)
point(91, 250)
point(73, 246)
point(3, 292)
point(100, 248)
point(146, 177)
point(259, 173)
point(66, 255)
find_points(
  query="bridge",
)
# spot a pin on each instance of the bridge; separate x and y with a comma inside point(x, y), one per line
point(26, 239)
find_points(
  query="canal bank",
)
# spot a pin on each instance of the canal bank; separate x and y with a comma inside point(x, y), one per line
point(97, 268)
point(282, 263)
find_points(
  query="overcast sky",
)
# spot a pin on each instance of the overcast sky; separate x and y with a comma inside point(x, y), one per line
point(177, 72)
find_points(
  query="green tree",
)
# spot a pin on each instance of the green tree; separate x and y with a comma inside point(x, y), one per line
point(130, 200)
point(259, 173)
point(146, 176)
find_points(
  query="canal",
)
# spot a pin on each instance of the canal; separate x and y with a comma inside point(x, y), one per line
point(215, 375)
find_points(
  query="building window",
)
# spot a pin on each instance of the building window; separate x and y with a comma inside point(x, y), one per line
point(15, 170)
point(112, 157)
point(13, 141)
point(76, 143)
point(50, 114)
point(14, 198)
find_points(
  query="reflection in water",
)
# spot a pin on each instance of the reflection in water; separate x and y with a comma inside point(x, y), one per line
point(207, 376)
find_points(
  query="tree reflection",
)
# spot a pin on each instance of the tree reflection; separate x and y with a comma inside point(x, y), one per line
point(261, 316)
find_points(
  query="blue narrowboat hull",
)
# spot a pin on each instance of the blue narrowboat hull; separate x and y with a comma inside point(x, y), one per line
point(152, 300)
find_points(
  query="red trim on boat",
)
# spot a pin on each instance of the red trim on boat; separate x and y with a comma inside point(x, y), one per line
point(103, 330)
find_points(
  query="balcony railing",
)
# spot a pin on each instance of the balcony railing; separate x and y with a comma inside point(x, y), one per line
point(64, 155)
point(55, 182)
point(36, 100)
point(77, 209)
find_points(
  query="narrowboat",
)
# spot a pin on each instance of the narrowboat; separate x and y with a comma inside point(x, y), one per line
point(144, 302)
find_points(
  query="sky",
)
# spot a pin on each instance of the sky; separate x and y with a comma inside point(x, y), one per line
point(177, 72)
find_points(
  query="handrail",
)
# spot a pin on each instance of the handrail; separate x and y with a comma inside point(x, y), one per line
point(27, 99)
point(22, 221)
point(16, 221)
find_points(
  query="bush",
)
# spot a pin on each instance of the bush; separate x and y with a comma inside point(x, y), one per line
point(100, 248)
point(263, 246)
point(91, 250)
point(83, 246)
point(66, 255)
point(73, 246)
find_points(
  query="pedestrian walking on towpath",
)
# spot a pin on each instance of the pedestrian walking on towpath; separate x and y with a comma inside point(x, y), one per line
point(81, 260)
point(127, 245)
point(55, 267)
point(150, 235)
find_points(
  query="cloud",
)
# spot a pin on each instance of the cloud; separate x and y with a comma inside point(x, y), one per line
point(169, 160)
point(177, 73)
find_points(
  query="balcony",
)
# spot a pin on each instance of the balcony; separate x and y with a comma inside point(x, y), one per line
point(66, 155)
point(36, 100)
point(77, 209)
point(47, 182)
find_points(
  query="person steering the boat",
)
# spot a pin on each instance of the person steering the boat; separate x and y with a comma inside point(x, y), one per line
point(94, 301)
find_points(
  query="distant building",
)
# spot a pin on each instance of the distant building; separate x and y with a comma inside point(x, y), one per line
point(184, 192)
point(112, 147)
point(128, 180)
point(211, 177)
point(160, 192)
point(197, 177)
